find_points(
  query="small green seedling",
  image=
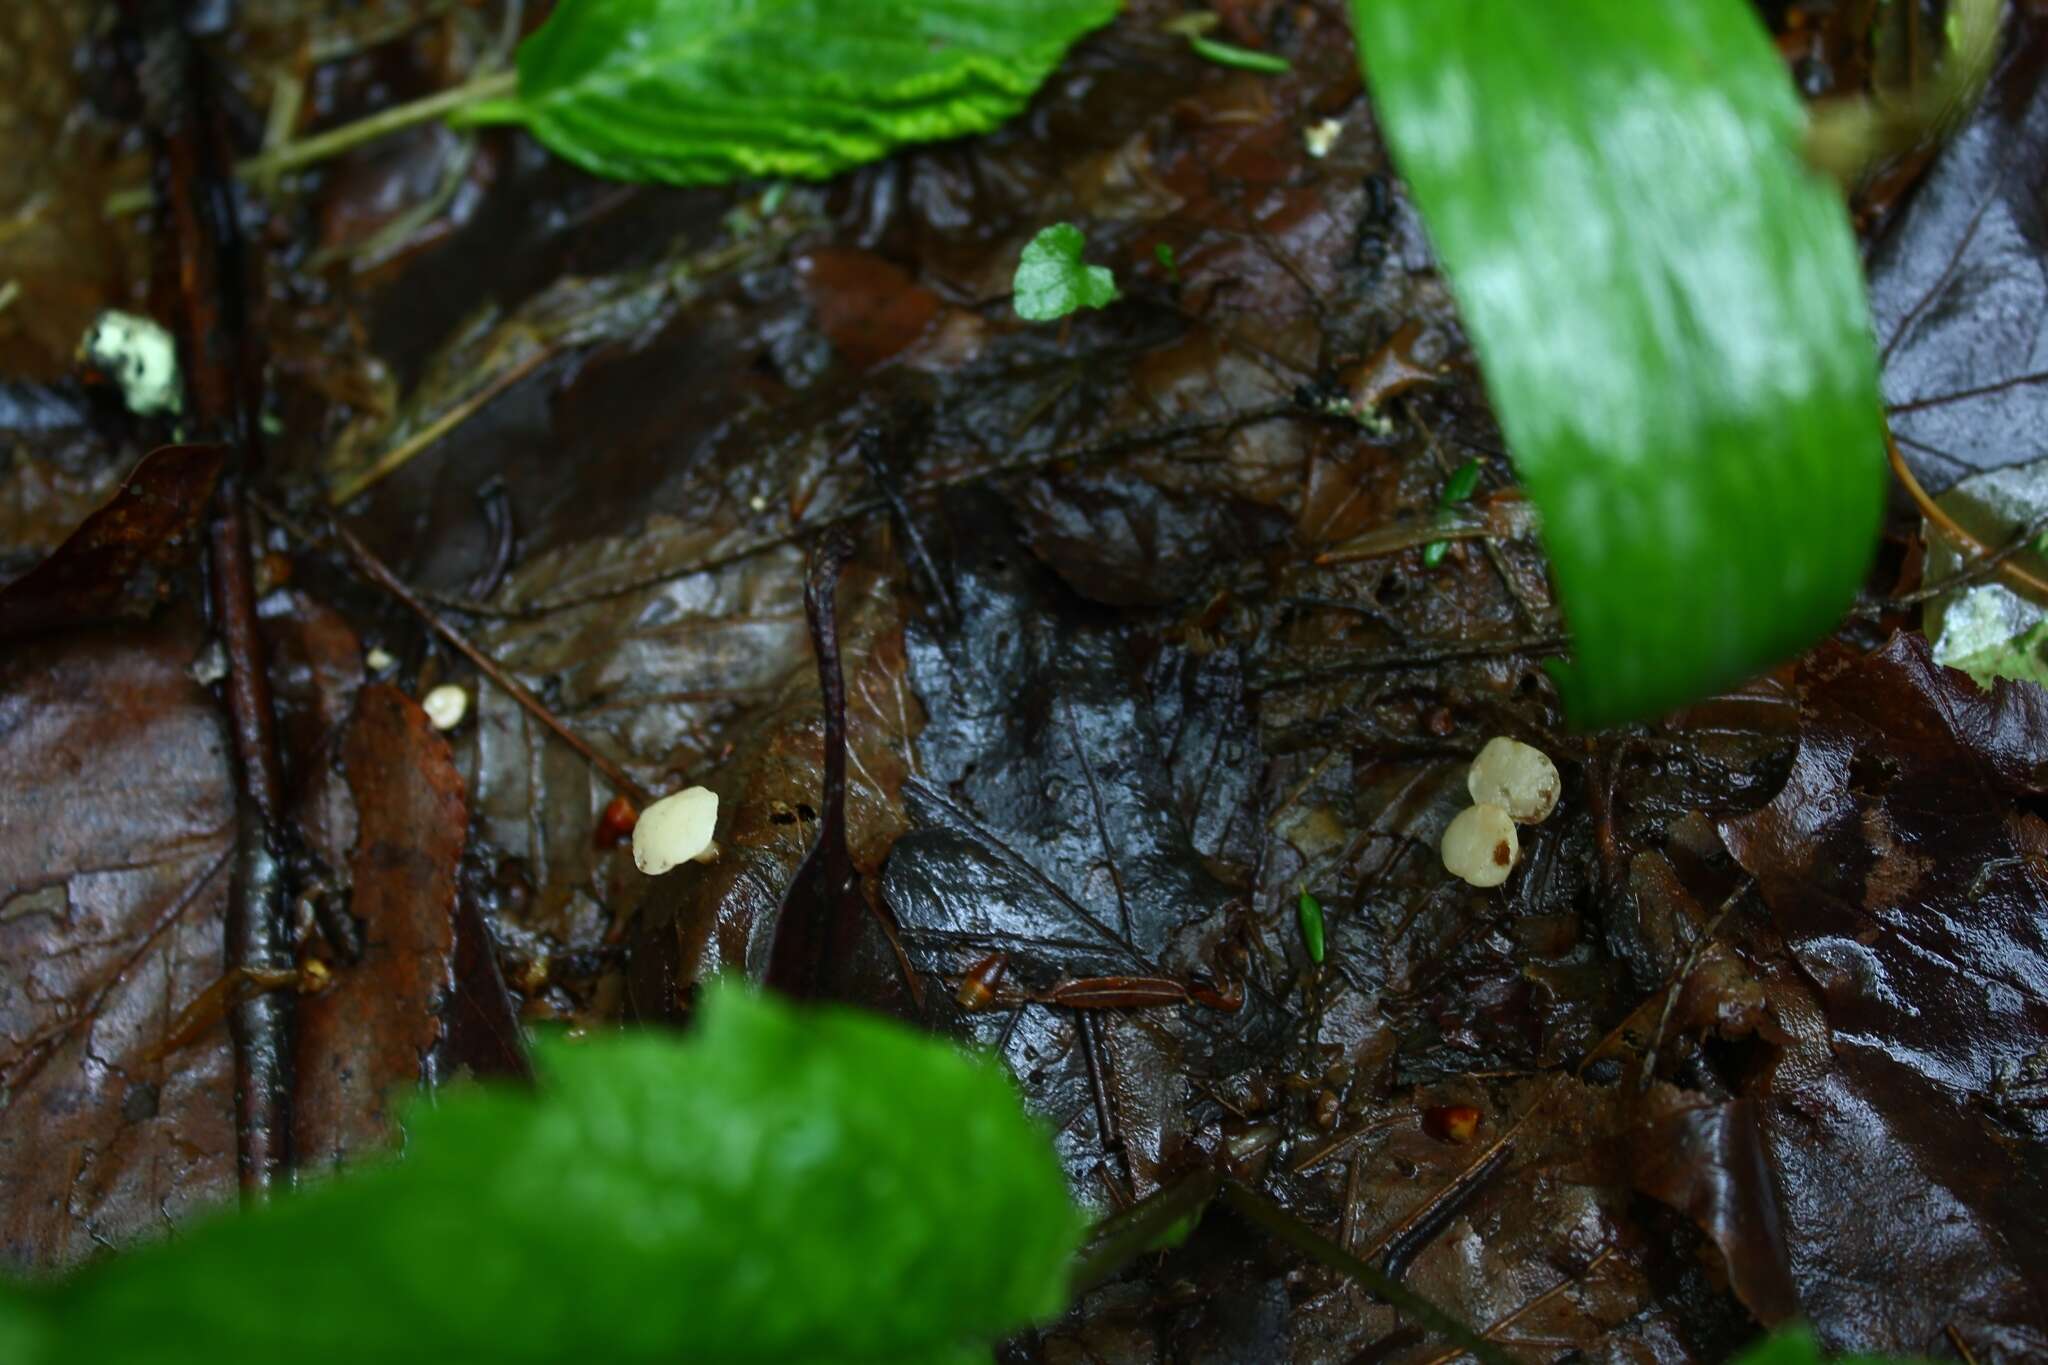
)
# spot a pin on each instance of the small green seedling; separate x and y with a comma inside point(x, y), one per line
point(1457, 489)
point(1309, 911)
point(1163, 254)
point(1052, 281)
point(1243, 58)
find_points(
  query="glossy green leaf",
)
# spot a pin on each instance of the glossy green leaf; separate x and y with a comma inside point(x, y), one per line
point(783, 1184)
point(1461, 485)
point(1669, 313)
point(1309, 912)
point(1052, 280)
point(701, 91)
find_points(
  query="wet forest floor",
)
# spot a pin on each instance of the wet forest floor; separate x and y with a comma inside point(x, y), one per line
point(1141, 641)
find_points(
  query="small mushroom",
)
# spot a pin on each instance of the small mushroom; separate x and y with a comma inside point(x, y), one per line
point(677, 829)
point(1480, 845)
point(445, 706)
point(1521, 780)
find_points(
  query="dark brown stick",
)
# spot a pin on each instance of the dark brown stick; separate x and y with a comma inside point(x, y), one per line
point(201, 281)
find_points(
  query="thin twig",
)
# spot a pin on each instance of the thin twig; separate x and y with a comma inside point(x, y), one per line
point(1106, 448)
point(1532, 1305)
point(335, 141)
point(1417, 656)
point(1263, 1212)
point(1692, 959)
point(379, 573)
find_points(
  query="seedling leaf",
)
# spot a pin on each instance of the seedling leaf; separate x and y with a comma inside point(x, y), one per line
point(1669, 313)
point(1052, 281)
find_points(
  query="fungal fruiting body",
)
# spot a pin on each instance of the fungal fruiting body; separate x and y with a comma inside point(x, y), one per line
point(1517, 777)
point(1480, 845)
point(445, 706)
point(675, 830)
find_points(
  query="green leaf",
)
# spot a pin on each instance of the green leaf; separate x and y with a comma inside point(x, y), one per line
point(1796, 1345)
point(1669, 313)
point(697, 92)
point(784, 1184)
point(1243, 58)
point(1052, 282)
point(1459, 487)
point(1309, 911)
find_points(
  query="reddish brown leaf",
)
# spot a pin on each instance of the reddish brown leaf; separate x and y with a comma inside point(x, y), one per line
point(869, 308)
point(114, 564)
point(116, 825)
point(367, 1037)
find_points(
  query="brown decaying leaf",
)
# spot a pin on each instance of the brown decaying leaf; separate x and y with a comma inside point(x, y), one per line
point(363, 1043)
point(1903, 865)
point(114, 565)
point(116, 825)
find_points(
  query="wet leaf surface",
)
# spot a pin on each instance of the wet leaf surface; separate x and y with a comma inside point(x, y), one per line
point(364, 1042)
point(1202, 663)
point(116, 824)
point(118, 562)
point(1901, 863)
point(1956, 289)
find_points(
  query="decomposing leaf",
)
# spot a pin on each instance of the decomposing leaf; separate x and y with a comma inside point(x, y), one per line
point(362, 1043)
point(657, 1196)
point(1077, 831)
point(694, 92)
point(1956, 290)
point(116, 822)
point(1617, 194)
point(1903, 867)
point(115, 563)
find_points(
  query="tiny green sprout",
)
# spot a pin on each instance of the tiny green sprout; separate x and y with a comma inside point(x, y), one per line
point(1244, 59)
point(1459, 487)
point(1163, 254)
point(1309, 911)
point(1051, 280)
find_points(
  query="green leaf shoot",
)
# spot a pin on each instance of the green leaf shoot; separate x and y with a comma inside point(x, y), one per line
point(1052, 281)
point(695, 92)
point(1309, 911)
point(1163, 254)
point(1464, 481)
point(783, 1184)
point(1243, 58)
point(1669, 313)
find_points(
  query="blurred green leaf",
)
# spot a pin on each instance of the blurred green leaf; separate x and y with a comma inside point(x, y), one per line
point(1669, 312)
point(783, 1184)
point(1243, 58)
point(1796, 1345)
point(697, 92)
point(1052, 280)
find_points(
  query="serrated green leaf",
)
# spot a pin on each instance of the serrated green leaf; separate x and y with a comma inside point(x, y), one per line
point(783, 1185)
point(696, 92)
point(1052, 281)
point(1669, 313)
